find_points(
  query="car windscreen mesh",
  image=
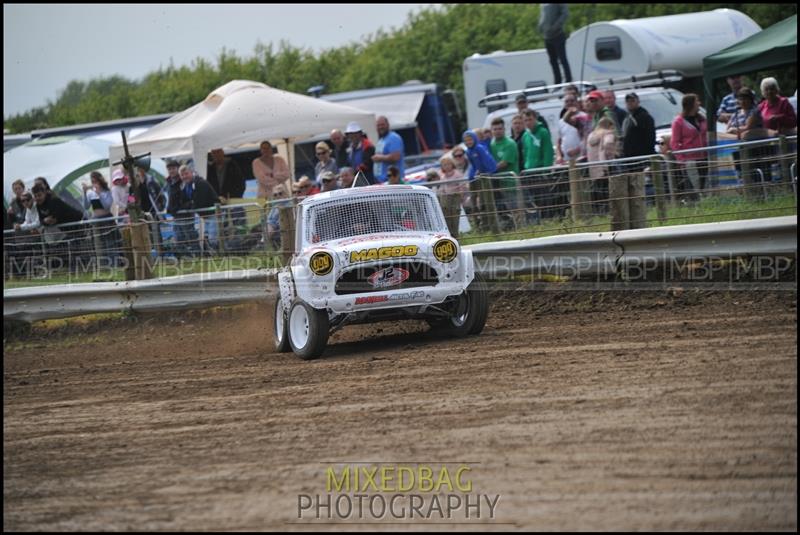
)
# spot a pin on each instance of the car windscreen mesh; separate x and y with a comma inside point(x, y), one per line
point(373, 214)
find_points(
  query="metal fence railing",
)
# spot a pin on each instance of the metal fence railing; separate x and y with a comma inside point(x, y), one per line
point(728, 182)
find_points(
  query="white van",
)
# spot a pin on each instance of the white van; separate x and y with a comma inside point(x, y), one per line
point(612, 49)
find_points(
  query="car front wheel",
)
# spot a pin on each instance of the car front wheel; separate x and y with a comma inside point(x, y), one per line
point(308, 330)
point(471, 310)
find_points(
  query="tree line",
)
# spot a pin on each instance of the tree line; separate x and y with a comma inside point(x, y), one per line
point(430, 46)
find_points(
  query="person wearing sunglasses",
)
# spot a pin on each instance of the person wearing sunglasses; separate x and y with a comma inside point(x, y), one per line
point(31, 213)
point(326, 163)
point(460, 159)
point(16, 211)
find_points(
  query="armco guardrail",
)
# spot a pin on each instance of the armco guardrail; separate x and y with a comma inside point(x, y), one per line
point(573, 254)
point(173, 293)
point(605, 253)
point(589, 252)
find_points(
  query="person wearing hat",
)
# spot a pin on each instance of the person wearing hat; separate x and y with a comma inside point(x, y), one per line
point(120, 192)
point(522, 102)
point(328, 181)
point(522, 106)
point(172, 174)
point(360, 152)
point(638, 129)
point(326, 163)
point(595, 105)
point(305, 187)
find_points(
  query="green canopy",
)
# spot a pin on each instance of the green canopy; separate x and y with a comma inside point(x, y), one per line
point(773, 47)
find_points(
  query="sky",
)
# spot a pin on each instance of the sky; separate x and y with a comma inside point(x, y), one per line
point(45, 46)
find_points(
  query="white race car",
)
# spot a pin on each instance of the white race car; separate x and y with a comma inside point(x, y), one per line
point(372, 254)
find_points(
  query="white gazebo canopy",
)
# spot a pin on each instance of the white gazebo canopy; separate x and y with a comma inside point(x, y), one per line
point(240, 113)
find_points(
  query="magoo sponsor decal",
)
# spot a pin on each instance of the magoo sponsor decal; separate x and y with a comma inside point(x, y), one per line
point(382, 253)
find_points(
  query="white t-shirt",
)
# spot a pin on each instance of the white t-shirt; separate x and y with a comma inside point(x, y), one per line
point(570, 137)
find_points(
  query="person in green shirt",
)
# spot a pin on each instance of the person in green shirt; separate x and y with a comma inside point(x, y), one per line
point(537, 148)
point(537, 145)
point(505, 153)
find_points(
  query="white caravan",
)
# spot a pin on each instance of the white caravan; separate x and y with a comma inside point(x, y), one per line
point(609, 50)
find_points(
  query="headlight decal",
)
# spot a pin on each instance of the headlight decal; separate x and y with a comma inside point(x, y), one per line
point(445, 251)
point(321, 263)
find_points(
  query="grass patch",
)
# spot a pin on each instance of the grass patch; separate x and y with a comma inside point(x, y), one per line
point(708, 210)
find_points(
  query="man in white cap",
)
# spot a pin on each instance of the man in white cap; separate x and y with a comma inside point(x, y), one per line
point(360, 152)
point(328, 181)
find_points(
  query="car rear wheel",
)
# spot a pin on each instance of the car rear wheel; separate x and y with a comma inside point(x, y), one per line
point(307, 330)
point(280, 334)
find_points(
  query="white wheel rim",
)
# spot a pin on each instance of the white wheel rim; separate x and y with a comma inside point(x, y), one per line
point(298, 326)
point(460, 319)
point(279, 322)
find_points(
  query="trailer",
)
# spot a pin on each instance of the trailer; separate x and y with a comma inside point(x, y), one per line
point(611, 49)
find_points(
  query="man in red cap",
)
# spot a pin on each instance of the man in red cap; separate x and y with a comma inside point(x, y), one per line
point(597, 108)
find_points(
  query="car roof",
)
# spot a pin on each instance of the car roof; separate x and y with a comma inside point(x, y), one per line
point(363, 191)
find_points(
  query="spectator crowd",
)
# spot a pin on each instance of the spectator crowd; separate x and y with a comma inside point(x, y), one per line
point(592, 128)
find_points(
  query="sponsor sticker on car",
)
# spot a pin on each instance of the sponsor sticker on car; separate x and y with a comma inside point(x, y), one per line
point(372, 299)
point(321, 263)
point(391, 276)
point(445, 251)
point(383, 253)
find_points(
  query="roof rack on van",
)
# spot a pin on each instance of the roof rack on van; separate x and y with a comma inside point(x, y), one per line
point(546, 92)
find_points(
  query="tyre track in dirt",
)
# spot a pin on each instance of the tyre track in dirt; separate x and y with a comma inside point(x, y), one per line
point(623, 411)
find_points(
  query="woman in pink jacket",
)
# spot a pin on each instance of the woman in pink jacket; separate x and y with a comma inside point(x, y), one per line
point(689, 131)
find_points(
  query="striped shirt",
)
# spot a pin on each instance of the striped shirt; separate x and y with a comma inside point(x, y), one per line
point(728, 105)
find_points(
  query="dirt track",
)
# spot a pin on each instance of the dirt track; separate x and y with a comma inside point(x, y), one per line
point(586, 411)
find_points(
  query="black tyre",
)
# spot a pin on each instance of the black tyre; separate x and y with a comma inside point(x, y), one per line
point(471, 311)
point(308, 330)
point(481, 296)
point(280, 331)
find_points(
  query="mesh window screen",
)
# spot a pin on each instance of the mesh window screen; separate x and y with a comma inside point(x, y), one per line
point(378, 213)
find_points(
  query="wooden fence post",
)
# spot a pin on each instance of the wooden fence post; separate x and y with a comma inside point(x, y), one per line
point(748, 184)
point(451, 207)
point(488, 208)
point(658, 185)
point(618, 202)
point(784, 157)
point(287, 222)
point(577, 193)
